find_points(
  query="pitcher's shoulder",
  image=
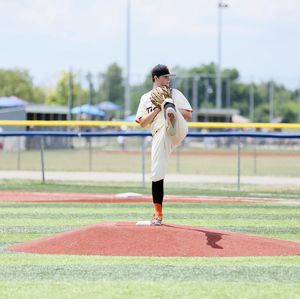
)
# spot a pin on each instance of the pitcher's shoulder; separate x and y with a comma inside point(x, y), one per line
point(146, 96)
point(180, 100)
point(177, 94)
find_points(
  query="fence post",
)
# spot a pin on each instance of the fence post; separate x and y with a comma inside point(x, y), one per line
point(19, 153)
point(238, 163)
point(178, 158)
point(255, 156)
point(42, 158)
point(143, 161)
point(90, 154)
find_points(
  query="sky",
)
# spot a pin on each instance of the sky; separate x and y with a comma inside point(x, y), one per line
point(260, 38)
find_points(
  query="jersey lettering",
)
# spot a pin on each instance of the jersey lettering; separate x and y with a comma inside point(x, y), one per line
point(149, 109)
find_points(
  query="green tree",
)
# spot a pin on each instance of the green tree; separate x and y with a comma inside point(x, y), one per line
point(112, 86)
point(240, 97)
point(20, 84)
point(59, 94)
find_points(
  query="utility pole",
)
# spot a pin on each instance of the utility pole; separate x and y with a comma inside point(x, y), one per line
point(127, 86)
point(221, 5)
point(228, 95)
point(79, 88)
point(70, 94)
point(90, 96)
point(206, 93)
point(186, 87)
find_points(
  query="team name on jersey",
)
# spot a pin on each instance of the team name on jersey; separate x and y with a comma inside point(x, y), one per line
point(150, 109)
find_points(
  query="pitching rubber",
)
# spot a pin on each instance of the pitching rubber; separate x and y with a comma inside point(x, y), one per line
point(144, 222)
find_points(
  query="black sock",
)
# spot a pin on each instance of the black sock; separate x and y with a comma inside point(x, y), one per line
point(158, 191)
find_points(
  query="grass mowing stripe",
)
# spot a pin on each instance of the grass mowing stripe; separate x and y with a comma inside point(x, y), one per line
point(77, 206)
point(129, 272)
point(145, 209)
point(19, 259)
point(20, 238)
point(148, 290)
point(30, 229)
point(172, 188)
point(126, 215)
point(76, 216)
point(234, 216)
point(173, 205)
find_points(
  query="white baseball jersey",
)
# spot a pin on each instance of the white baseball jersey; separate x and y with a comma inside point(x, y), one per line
point(162, 143)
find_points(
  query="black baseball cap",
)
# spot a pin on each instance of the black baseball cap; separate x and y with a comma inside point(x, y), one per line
point(161, 70)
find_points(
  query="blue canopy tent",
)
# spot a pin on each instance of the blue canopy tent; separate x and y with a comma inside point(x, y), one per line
point(109, 106)
point(130, 117)
point(88, 109)
point(10, 102)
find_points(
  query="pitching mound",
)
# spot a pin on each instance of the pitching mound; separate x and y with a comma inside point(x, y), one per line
point(128, 239)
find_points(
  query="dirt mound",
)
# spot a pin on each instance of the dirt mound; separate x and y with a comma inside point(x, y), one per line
point(128, 239)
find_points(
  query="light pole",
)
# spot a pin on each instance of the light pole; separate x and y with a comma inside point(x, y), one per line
point(299, 103)
point(251, 101)
point(271, 101)
point(127, 86)
point(195, 97)
point(221, 5)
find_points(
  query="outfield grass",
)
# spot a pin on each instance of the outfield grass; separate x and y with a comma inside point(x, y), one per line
point(260, 191)
point(213, 162)
point(68, 276)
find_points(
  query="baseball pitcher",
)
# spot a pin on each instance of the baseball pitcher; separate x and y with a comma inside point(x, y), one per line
point(166, 111)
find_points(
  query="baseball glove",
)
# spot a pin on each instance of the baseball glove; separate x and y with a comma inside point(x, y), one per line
point(166, 91)
point(158, 95)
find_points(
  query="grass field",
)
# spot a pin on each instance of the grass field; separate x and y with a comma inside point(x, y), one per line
point(66, 276)
point(212, 162)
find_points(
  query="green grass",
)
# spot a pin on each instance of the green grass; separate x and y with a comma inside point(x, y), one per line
point(68, 276)
point(137, 290)
point(290, 192)
point(212, 162)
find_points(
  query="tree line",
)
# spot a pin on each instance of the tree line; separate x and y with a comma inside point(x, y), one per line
point(260, 102)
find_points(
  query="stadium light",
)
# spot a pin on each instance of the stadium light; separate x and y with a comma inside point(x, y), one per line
point(221, 5)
